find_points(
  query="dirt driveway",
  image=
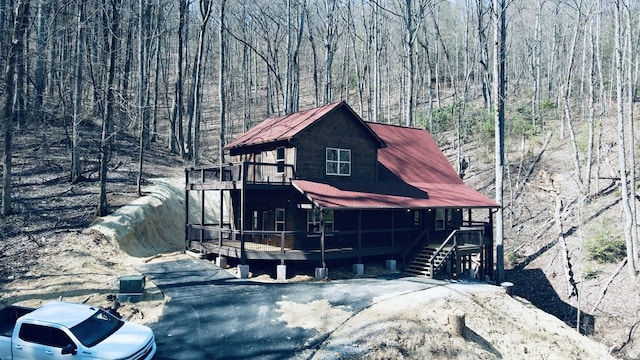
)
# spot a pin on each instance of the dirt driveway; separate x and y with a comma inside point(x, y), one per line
point(210, 314)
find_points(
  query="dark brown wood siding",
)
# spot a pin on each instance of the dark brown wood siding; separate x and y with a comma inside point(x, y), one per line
point(341, 130)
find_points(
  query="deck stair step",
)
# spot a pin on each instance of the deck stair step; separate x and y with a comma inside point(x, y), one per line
point(421, 264)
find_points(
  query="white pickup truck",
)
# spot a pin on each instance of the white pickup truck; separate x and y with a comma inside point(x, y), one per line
point(61, 330)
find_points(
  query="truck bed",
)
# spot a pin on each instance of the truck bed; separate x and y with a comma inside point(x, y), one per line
point(8, 318)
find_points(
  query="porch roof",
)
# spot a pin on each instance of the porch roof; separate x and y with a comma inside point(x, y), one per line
point(391, 195)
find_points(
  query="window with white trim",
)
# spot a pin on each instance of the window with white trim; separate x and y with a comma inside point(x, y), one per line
point(280, 225)
point(313, 220)
point(280, 159)
point(338, 162)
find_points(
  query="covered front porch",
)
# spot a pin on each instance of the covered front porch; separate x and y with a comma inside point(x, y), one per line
point(463, 248)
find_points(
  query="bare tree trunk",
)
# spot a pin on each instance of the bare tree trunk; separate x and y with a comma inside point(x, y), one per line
point(40, 79)
point(591, 113)
point(222, 96)
point(629, 103)
point(330, 41)
point(292, 70)
point(499, 9)
point(566, 100)
point(111, 38)
point(20, 18)
point(314, 53)
point(537, 53)
point(77, 98)
point(205, 12)
point(19, 100)
point(177, 108)
point(622, 138)
point(144, 18)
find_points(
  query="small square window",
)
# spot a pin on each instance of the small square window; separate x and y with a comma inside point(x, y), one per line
point(338, 162)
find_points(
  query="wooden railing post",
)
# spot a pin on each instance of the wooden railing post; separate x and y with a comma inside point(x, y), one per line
point(282, 247)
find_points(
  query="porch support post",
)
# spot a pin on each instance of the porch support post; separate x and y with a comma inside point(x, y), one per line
point(243, 255)
point(322, 273)
point(221, 217)
point(358, 268)
point(202, 208)
point(490, 265)
point(359, 236)
point(186, 209)
point(390, 264)
point(393, 233)
point(324, 265)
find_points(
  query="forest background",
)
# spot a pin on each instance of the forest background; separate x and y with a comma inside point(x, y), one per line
point(186, 76)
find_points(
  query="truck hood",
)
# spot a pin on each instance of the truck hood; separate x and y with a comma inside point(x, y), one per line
point(130, 339)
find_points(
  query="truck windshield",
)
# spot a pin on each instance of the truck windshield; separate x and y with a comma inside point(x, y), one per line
point(96, 328)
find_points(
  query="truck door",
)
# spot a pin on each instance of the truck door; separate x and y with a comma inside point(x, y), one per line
point(39, 342)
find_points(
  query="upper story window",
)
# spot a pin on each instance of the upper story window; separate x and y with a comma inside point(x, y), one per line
point(338, 162)
point(280, 159)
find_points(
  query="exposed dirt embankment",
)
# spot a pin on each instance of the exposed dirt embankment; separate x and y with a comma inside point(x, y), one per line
point(150, 225)
point(86, 266)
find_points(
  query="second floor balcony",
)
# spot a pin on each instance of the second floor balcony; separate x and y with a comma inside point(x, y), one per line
point(241, 174)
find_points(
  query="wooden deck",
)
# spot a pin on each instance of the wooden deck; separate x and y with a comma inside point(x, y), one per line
point(259, 251)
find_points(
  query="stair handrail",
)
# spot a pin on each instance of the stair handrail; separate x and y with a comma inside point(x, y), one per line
point(412, 246)
point(441, 248)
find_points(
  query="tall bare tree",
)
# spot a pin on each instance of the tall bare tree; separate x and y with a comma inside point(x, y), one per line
point(177, 107)
point(206, 9)
point(618, 11)
point(76, 165)
point(111, 31)
point(20, 23)
point(222, 97)
point(499, 38)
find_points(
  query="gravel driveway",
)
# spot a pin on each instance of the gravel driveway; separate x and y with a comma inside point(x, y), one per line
point(210, 314)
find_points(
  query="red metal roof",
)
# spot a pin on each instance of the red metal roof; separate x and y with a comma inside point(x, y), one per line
point(284, 128)
point(418, 176)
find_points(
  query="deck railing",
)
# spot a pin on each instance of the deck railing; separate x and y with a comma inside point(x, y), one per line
point(247, 172)
point(472, 235)
point(298, 241)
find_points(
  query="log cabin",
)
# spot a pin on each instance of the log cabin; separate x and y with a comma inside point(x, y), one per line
point(323, 185)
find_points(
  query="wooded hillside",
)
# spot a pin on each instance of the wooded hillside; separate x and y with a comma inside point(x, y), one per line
point(90, 88)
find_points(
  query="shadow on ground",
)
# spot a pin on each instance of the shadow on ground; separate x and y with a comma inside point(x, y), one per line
point(533, 285)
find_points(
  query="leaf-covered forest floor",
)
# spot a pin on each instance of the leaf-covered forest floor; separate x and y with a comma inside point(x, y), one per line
point(46, 238)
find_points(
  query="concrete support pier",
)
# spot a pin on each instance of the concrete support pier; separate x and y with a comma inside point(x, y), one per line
point(221, 262)
point(281, 273)
point(358, 269)
point(243, 271)
point(322, 273)
point(390, 265)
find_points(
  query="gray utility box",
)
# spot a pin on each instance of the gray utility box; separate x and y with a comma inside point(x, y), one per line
point(131, 288)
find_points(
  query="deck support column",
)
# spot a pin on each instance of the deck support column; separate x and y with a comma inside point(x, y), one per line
point(202, 208)
point(221, 216)
point(322, 273)
point(358, 269)
point(187, 242)
point(281, 273)
point(391, 264)
point(359, 236)
point(243, 255)
point(221, 262)
point(243, 271)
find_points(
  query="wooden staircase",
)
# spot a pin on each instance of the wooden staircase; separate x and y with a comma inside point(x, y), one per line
point(421, 264)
